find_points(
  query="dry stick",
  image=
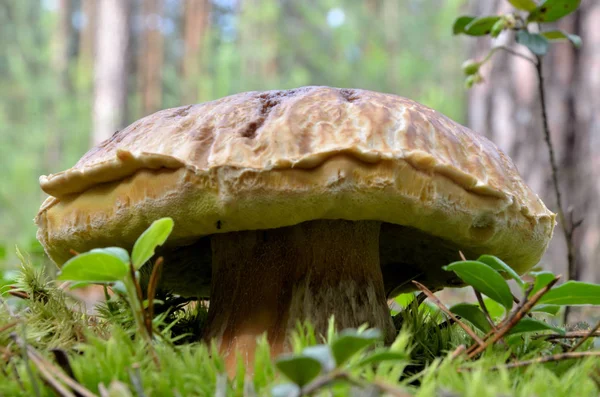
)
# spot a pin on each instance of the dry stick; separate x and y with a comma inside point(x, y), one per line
point(58, 387)
point(50, 369)
point(516, 317)
point(439, 304)
point(19, 294)
point(569, 335)
point(484, 309)
point(8, 326)
point(586, 337)
point(324, 380)
point(545, 359)
point(567, 228)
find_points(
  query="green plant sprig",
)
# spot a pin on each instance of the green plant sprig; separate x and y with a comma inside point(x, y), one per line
point(526, 14)
point(113, 266)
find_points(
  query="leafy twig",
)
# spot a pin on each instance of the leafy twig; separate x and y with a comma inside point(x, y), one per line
point(540, 360)
point(517, 315)
point(589, 334)
point(443, 308)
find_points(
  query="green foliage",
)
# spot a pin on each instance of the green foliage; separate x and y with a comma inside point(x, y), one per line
point(552, 10)
point(155, 235)
point(484, 279)
point(526, 12)
point(535, 42)
point(46, 119)
point(98, 265)
point(573, 293)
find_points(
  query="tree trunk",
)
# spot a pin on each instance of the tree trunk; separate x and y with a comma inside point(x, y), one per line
point(507, 109)
point(196, 24)
point(61, 60)
point(110, 68)
point(87, 37)
point(151, 57)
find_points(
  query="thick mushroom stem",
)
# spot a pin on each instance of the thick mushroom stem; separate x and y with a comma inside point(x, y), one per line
point(267, 280)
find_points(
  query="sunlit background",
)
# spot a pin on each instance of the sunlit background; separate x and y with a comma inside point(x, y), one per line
point(72, 72)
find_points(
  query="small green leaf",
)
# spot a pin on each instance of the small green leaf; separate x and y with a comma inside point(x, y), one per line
point(536, 43)
point(460, 23)
point(541, 280)
point(498, 27)
point(323, 354)
point(473, 314)
point(382, 356)
point(501, 266)
point(470, 67)
point(484, 279)
point(95, 266)
point(495, 309)
point(2, 252)
point(481, 26)
point(525, 5)
point(119, 252)
point(298, 368)
point(528, 324)
point(285, 390)
point(549, 309)
point(552, 10)
point(559, 35)
point(403, 300)
point(573, 293)
point(155, 235)
point(349, 342)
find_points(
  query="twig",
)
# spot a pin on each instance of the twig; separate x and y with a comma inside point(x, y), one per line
point(458, 351)
point(7, 326)
point(569, 335)
point(589, 334)
point(19, 294)
point(567, 228)
point(540, 360)
point(517, 315)
point(326, 379)
point(443, 308)
point(484, 309)
point(510, 51)
point(48, 369)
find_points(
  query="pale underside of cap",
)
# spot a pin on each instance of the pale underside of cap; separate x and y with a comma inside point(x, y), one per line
point(264, 160)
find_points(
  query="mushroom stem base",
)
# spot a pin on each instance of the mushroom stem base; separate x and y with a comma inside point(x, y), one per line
point(268, 280)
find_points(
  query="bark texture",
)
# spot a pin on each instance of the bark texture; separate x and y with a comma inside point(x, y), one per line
point(196, 23)
point(150, 60)
point(110, 68)
point(507, 109)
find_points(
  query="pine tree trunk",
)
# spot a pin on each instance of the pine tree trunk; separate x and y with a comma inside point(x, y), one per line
point(110, 68)
point(151, 56)
point(61, 60)
point(196, 24)
point(507, 109)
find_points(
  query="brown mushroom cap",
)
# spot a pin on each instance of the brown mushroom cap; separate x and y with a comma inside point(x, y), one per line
point(263, 160)
point(317, 201)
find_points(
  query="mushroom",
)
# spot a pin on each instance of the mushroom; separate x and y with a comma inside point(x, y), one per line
point(299, 204)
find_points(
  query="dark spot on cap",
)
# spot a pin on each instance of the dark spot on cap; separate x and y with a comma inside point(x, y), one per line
point(218, 225)
point(349, 95)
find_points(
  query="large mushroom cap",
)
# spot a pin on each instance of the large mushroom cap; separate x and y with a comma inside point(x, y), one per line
point(263, 160)
point(317, 201)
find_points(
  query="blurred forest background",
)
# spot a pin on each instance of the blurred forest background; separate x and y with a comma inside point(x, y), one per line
point(72, 72)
